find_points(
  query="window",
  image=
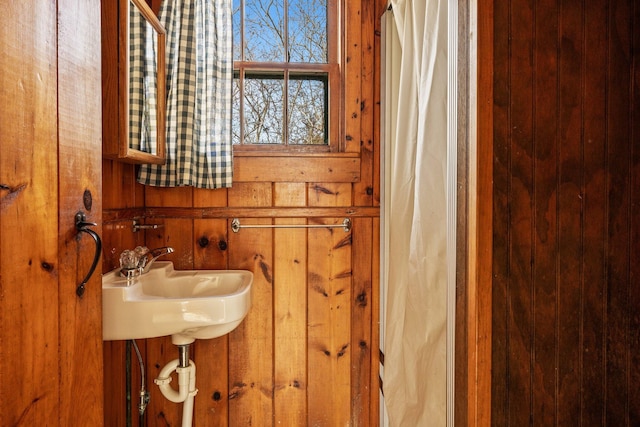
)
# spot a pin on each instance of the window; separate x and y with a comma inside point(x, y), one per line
point(286, 92)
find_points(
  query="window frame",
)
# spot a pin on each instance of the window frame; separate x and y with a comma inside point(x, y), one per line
point(335, 97)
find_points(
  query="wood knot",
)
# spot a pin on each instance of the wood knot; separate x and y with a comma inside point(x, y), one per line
point(203, 242)
point(362, 299)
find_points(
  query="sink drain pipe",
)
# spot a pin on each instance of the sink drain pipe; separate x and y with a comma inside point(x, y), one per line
point(187, 390)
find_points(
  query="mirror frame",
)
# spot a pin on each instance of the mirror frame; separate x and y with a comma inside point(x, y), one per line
point(125, 151)
point(115, 82)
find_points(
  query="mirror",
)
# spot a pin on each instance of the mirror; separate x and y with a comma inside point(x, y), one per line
point(133, 82)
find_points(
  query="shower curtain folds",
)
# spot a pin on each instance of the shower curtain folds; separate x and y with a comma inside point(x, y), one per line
point(415, 335)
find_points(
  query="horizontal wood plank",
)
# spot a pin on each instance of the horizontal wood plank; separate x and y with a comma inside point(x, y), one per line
point(296, 169)
point(262, 212)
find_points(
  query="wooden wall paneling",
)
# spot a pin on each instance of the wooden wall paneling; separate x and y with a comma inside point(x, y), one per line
point(109, 74)
point(374, 378)
point(205, 197)
point(520, 357)
point(377, 87)
point(329, 302)
point(290, 194)
point(361, 325)
point(569, 186)
point(251, 344)
point(120, 188)
point(116, 400)
point(330, 194)
point(115, 397)
point(500, 217)
point(163, 196)
point(251, 194)
point(80, 185)
point(210, 245)
point(634, 235)
point(594, 220)
point(29, 385)
point(352, 77)
point(512, 286)
point(177, 233)
point(342, 168)
point(290, 264)
point(617, 256)
point(579, 326)
point(543, 168)
point(211, 356)
point(363, 189)
point(290, 309)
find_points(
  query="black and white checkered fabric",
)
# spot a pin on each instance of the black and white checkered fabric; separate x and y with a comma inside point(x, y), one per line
point(199, 81)
point(142, 83)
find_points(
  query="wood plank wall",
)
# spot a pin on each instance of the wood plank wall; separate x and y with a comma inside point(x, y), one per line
point(566, 213)
point(50, 339)
point(307, 353)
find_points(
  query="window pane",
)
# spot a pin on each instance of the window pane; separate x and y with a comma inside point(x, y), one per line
point(264, 31)
point(307, 111)
point(263, 109)
point(235, 111)
point(308, 31)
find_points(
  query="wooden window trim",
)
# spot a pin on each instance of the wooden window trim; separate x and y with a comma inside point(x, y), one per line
point(334, 69)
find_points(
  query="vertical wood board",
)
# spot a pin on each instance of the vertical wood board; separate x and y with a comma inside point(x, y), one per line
point(29, 332)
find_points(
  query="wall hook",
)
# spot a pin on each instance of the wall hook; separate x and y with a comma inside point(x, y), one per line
point(83, 227)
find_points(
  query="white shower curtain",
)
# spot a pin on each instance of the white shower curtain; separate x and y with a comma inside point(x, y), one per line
point(415, 214)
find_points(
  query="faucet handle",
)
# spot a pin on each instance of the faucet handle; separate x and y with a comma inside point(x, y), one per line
point(129, 259)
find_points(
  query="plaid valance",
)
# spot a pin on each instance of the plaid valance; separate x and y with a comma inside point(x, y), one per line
point(199, 80)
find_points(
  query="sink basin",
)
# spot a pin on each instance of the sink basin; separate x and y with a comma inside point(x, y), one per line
point(185, 304)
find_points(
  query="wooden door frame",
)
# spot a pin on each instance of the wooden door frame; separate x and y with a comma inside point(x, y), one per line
point(479, 219)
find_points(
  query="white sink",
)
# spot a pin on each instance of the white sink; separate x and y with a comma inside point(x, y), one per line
point(186, 304)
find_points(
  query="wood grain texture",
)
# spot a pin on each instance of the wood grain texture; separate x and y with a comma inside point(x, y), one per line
point(29, 386)
point(296, 169)
point(251, 350)
point(211, 406)
point(291, 262)
point(45, 329)
point(79, 177)
point(480, 230)
point(362, 328)
point(352, 79)
point(330, 291)
point(565, 192)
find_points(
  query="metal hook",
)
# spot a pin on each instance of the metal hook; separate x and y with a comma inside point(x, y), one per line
point(82, 226)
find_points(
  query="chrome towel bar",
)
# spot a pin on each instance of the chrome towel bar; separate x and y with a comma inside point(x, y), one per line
point(235, 225)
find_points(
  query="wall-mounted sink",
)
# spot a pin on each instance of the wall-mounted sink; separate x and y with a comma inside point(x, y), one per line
point(186, 304)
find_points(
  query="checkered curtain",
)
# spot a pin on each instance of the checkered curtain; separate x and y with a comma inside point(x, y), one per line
point(199, 79)
point(142, 83)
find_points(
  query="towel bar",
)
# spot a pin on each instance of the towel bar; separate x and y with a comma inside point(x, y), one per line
point(235, 225)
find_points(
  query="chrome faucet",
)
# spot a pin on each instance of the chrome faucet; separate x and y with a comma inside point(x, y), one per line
point(150, 256)
point(139, 261)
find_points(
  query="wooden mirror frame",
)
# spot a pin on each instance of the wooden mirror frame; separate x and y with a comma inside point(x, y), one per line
point(115, 83)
